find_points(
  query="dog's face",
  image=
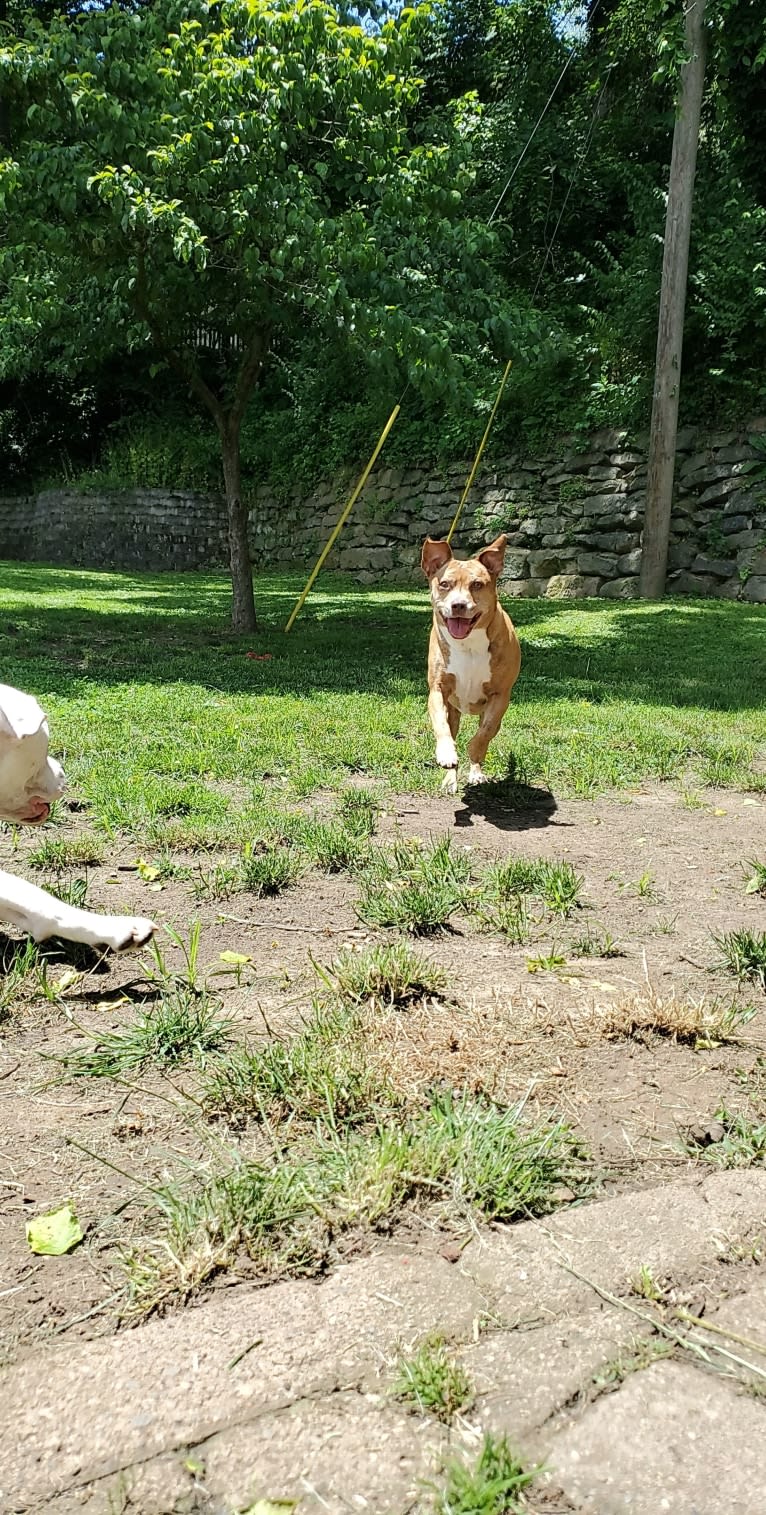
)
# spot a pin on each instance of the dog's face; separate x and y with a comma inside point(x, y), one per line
point(464, 593)
point(30, 780)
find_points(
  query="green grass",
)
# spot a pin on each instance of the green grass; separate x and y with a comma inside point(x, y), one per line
point(184, 1025)
point(742, 1145)
point(492, 1485)
point(20, 968)
point(461, 1155)
point(323, 1075)
point(554, 883)
point(63, 853)
point(744, 954)
point(432, 1380)
point(171, 733)
point(414, 887)
point(393, 974)
point(272, 871)
point(756, 877)
point(592, 944)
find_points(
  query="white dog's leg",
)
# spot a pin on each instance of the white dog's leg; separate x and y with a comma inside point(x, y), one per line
point(38, 914)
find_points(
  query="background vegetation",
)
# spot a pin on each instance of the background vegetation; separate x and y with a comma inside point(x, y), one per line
point(578, 316)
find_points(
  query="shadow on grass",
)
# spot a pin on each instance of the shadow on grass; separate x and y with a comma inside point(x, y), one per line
point(53, 953)
point(163, 629)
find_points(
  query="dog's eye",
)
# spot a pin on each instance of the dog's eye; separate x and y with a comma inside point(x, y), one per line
point(444, 584)
point(476, 584)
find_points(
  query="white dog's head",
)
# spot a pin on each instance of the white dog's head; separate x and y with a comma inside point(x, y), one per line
point(30, 780)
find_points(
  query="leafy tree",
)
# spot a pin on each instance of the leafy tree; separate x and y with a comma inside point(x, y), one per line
point(212, 179)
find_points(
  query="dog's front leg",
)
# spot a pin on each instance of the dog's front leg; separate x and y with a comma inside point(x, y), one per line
point(445, 724)
point(39, 915)
point(489, 725)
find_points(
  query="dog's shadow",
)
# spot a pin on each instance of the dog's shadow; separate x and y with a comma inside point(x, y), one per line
point(19, 954)
point(509, 803)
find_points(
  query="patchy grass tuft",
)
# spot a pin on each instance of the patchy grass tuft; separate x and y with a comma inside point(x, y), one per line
point(493, 1485)
point(555, 884)
point(323, 1074)
point(358, 811)
point(459, 1154)
point(218, 882)
point(75, 852)
point(332, 847)
point(184, 1026)
point(591, 945)
point(756, 877)
point(73, 891)
point(388, 975)
point(744, 954)
point(20, 967)
point(432, 1380)
point(415, 888)
point(272, 871)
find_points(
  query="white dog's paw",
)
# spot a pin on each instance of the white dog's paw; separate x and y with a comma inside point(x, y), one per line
point(449, 782)
point(126, 932)
point(476, 775)
point(446, 752)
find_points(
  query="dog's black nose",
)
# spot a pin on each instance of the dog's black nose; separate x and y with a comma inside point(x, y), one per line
point(459, 607)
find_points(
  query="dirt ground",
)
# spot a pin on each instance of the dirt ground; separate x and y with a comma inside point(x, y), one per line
point(663, 879)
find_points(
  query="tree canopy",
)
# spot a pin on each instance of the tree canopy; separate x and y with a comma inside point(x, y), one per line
point(280, 212)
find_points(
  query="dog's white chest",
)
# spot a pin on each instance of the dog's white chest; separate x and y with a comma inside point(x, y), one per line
point(469, 662)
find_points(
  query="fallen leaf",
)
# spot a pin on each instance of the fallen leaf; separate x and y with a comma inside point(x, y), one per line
point(54, 1234)
point(755, 803)
point(753, 886)
point(69, 977)
point(155, 888)
point(112, 1004)
point(146, 871)
point(719, 812)
point(237, 959)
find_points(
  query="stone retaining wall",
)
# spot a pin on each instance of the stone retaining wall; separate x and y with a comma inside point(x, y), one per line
point(573, 519)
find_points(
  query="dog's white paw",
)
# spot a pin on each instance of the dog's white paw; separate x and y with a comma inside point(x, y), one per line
point(446, 752)
point(449, 782)
point(125, 933)
point(476, 775)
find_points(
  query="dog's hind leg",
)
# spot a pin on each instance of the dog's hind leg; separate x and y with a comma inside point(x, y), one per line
point(40, 915)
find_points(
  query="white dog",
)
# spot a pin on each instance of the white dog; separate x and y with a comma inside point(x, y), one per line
point(30, 781)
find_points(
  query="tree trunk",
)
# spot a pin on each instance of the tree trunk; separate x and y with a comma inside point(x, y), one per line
point(670, 333)
point(243, 604)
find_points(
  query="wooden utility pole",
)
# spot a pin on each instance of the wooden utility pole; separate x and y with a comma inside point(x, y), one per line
point(670, 334)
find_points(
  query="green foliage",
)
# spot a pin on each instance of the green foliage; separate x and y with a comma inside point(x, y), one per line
point(413, 887)
point(328, 199)
point(432, 1380)
point(493, 1485)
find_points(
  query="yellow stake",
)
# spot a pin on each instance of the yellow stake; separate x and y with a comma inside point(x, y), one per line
point(482, 444)
point(346, 513)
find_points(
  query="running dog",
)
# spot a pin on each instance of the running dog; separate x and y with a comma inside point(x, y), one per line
point(474, 655)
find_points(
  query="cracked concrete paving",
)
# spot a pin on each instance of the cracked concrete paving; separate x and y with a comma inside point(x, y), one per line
point(173, 1417)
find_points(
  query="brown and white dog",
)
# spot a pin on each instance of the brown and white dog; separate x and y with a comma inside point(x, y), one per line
point(474, 655)
point(30, 780)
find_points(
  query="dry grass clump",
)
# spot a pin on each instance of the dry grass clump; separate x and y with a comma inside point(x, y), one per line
point(695, 1023)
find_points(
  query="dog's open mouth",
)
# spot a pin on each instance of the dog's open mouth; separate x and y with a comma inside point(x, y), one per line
point(459, 626)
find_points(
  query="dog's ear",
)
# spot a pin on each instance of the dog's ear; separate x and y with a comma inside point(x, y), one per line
point(434, 556)
point(493, 557)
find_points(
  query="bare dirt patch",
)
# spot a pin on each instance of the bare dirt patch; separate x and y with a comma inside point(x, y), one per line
point(660, 881)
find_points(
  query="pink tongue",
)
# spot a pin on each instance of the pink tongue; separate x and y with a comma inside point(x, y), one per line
point(459, 626)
